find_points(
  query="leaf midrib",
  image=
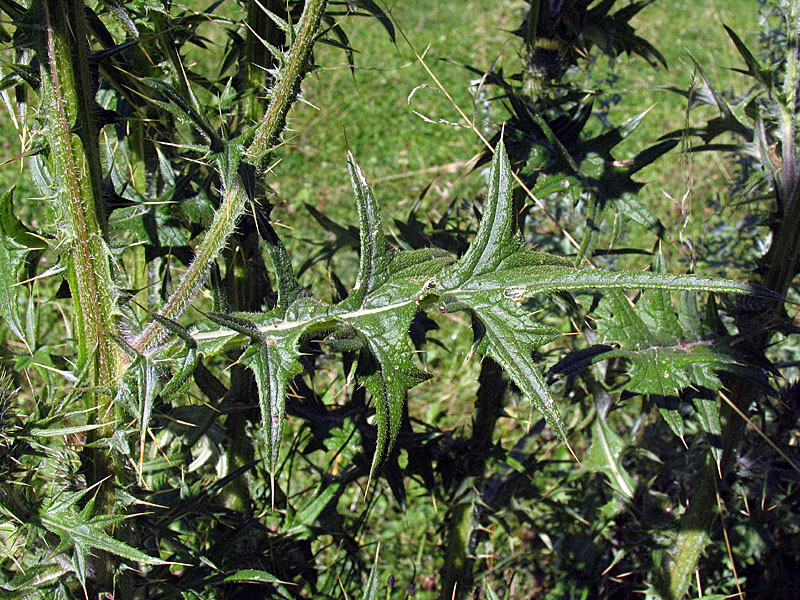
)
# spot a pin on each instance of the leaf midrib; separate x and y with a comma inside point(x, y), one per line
point(318, 320)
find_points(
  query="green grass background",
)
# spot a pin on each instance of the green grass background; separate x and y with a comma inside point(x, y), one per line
point(369, 111)
point(402, 154)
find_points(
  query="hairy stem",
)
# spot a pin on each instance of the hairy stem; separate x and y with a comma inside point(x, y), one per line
point(259, 58)
point(235, 195)
point(74, 152)
point(68, 106)
point(286, 89)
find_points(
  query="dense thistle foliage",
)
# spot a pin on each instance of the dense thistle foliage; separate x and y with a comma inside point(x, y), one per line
point(151, 454)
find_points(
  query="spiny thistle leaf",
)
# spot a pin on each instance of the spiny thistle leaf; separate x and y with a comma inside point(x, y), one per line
point(754, 68)
point(273, 357)
point(491, 281)
point(375, 255)
point(86, 531)
point(497, 274)
point(668, 351)
point(274, 363)
point(383, 303)
point(477, 282)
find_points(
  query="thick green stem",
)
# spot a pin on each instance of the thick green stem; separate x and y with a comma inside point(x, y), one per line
point(782, 261)
point(67, 102)
point(235, 196)
point(68, 107)
point(459, 560)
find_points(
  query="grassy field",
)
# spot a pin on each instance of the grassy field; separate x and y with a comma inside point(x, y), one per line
point(402, 154)
point(372, 110)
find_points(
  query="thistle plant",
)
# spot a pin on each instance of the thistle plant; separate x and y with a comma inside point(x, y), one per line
point(149, 456)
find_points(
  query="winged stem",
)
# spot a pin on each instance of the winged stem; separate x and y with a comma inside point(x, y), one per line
point(259, 58)
point(71, 134)
point(67, 100)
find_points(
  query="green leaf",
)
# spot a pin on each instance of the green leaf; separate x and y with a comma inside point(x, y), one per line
point(375, 254)
point(252, 576)
point(754, 69)
point(497, 274)
point(708, 416)
point(372, 587)
point(15, 244)
point(483, 283)
point(64, 431)
point(274, 363)
point(669, 351)
point(256, 576)
point(604, 456)
point(137, 392)
point(388, 289)
point(86, 531)
point(301, 523)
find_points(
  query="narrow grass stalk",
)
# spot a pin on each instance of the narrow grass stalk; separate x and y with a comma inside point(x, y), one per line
point(235, 195)
point(782, 262)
